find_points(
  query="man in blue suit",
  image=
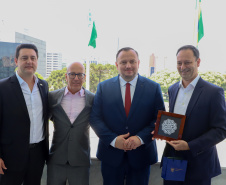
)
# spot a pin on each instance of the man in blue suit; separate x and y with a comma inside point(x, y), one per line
point(203, 104)
point(124, 112)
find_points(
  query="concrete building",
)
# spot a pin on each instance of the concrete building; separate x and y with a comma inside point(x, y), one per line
point(40, 44)
point(54, 62)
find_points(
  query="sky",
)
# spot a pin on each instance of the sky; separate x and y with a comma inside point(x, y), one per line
point(149, 26)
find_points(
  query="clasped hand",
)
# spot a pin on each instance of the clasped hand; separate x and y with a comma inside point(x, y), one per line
point(179, 145)
point(124, 142)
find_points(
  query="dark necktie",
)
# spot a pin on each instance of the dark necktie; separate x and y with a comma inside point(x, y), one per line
point(127, 99)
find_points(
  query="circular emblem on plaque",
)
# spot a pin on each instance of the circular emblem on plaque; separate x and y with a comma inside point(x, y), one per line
point(169, 126)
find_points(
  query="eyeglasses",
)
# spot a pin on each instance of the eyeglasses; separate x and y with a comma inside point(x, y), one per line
point(73, 75)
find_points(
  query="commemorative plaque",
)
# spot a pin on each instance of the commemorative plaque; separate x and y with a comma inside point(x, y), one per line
point(169, 126)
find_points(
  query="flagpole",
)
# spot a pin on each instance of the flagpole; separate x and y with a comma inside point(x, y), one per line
point(92, 42)
point(89, 53)
point(87, 73)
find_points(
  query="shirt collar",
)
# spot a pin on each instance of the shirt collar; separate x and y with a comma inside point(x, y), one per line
point(132, 82)
point(81, 92)
point(193, 83)
point(22, 81)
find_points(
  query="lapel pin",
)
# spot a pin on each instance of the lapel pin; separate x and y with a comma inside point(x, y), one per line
point(41, 84)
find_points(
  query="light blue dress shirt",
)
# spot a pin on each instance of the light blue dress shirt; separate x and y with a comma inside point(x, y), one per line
point(35, 109)
point(184, 96)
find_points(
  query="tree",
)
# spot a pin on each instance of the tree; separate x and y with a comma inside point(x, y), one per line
point(36, 74)
point(57, 80)
point(99, 73)
point(216, 78)
point(165, 78)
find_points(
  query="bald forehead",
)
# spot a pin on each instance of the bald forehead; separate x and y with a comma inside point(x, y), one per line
point(76, 67)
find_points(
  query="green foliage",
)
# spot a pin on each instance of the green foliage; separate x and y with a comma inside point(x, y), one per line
point(166, 78)
point(57, 80)
point(216, 78)
point(39, 75)
point(99, 73)
point(36, 74)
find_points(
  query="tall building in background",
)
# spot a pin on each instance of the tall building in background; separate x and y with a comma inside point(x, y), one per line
point(152, 64)
point(54, 62)
point(64, 65)
point(7, 55)
point(40, 44)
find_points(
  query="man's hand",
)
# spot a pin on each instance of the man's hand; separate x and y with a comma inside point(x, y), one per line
point(132, 143)
point(120, 140)
point(2, 166)
point(179, 145)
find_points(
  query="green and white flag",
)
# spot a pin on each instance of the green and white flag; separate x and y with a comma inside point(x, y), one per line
point(200, 24)
point(92, 41)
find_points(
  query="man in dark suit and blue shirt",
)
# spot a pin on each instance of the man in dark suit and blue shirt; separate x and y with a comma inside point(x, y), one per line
point(123, 115)
point(204, 106)
point(23, 121)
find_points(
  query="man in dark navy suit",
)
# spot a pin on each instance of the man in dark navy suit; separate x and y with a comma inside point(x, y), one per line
point(123, 115)
point(203, 104)
point(23, 121)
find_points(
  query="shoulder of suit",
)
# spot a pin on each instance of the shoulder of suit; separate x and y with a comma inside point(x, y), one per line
point(174, 86)
point(2, 81)
point(207, 84)
point(109, 81)
point(55, 92)
point(89, 93)
point(147, 80)
point(42, 81)
point(7, 80)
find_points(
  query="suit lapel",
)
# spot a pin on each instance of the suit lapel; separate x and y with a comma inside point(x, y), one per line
point(195, 96)
point(173, 98)
point(137, 94)
point(16, 89)
point(115, 87)
point(59, 96)
point(43, 95)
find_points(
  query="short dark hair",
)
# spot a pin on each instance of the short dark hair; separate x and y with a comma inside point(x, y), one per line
point(193, 48)
point(125, 49)
point(27, 46)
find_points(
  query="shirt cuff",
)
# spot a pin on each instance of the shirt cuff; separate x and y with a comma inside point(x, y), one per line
point(113, 142)
point(142, 142)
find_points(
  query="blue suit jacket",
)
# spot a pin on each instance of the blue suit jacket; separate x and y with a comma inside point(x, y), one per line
point(205, 126)
point(108, 119)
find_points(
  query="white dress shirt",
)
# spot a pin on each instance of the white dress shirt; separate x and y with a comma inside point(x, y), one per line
point(73, 104)
point(35, 109)
point(184, 96)
point(133, 84)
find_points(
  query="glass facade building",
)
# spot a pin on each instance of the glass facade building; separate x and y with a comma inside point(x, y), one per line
point(7, 55)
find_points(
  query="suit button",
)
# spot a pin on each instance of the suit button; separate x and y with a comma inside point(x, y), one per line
point(72, 126)
point(127, 128)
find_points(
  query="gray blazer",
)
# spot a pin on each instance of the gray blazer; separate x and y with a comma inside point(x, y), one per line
point(70, 142)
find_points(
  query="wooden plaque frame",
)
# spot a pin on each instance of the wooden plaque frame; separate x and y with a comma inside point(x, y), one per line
point(180, 118)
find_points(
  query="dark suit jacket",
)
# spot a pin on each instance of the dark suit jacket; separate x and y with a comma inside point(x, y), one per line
point(70, 141)
point(205, 126)
point(15, 122)
point(108, 119)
